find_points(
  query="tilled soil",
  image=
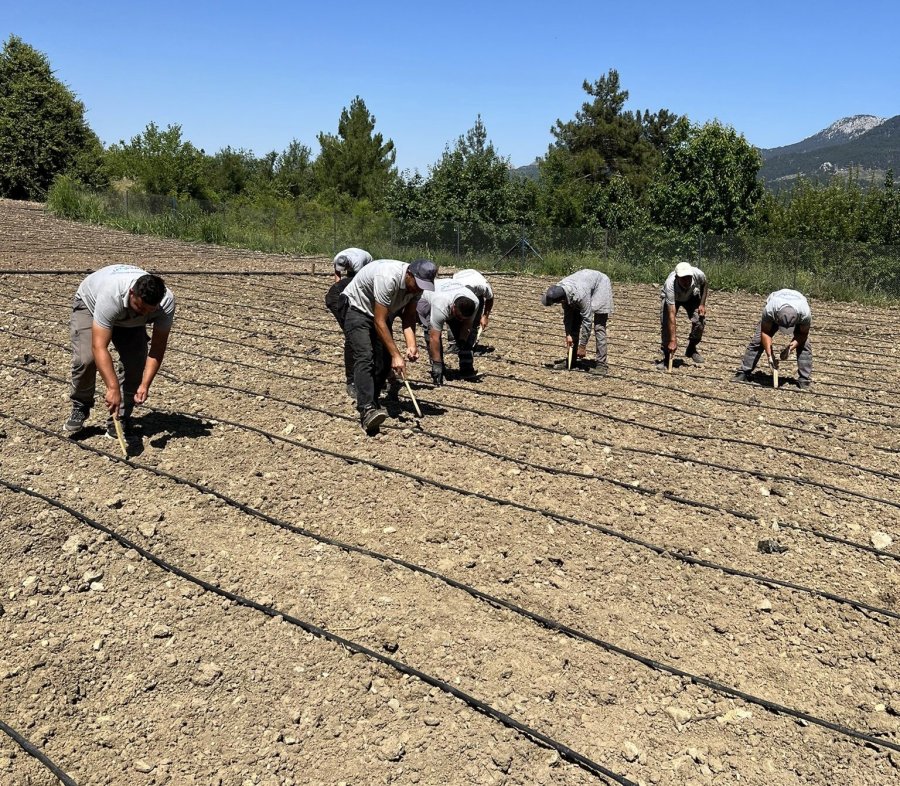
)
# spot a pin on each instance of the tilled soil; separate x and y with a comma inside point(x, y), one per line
point(630, 509)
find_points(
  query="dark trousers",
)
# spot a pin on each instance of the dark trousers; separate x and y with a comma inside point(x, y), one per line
point(697, 324)
point(338, 307)
point(754, 350)
point(371, 359)
point(130, 343)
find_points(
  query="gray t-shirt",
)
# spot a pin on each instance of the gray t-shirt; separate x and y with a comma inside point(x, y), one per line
point(384, 282)
point(434, 307)
point(672, 292)
point(105, 293)
point(787, 297)
point(350, 261)
point(588, 292)
point(476, 282)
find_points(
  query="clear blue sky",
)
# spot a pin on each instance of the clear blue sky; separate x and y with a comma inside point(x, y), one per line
point(257, 74)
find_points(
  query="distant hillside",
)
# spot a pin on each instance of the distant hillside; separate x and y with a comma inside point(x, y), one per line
point(528, 172)
point(865, 144)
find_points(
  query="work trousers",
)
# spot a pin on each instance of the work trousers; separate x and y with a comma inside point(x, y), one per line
point(754, 351)
point(697, 324)
point(338, 307)
point(572, 320)
point(130, 343)
point(371, 359)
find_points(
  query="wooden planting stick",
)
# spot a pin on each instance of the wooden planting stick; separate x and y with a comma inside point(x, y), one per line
point(409, 390)
point(671, 358)
point(569, 360)
point(120, 435)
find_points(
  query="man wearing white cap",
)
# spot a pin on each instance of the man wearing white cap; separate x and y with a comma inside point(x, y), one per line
point(346, 265)
point(586, 298)
point(377, 293)
point(455, 306)
point(686, 288)
point(785, 310)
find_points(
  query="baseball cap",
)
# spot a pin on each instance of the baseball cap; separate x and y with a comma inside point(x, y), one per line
point(554, 294)
point(684, 269)
point(786, 316)
point(424, 272)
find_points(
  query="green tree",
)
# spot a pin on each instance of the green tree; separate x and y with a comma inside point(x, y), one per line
point(43, 132)
point(357, 163)
point(604, 148)
point(160, 162)
point(708, 181)
point(293, 172)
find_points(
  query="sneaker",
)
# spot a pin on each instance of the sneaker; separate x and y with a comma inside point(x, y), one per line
point(600, 370)
point(452, 349)
point(661, 365)
point(740, 376)
point(696, 357)
point(351, 389)
point(372, 418)
point(804, 384)
point(467, 372)
point(76, 420)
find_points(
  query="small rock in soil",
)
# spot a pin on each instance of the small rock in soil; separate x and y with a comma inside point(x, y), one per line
point(630, 751)
point(73, 544)
point(567, 440)
point(207, 674)
point(770, 546)
point(764, 605)
point(142, 766)
point(881, 540)
point(161, 632)
point(148, 530)
point(678, 714)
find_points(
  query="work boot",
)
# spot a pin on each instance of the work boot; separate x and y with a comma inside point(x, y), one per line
point(351, 389)
point(804, 384)
point(740, 376)
point(76, 420)
point(600, 370)
point(467, 372)
point(372, 418)
point(695, 356)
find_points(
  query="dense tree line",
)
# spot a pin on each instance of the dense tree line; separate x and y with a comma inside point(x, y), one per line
point(607, 167)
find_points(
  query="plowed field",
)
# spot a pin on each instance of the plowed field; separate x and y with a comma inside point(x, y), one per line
point(668, 577)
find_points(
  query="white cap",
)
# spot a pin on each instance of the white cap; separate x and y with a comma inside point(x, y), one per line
point(684, 269)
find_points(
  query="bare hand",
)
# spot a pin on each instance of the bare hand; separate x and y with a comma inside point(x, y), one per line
point(398, 365)
point(701, 310)
point(141, 395)
point(673, 345)
point(581, 352)
point(569, 341)
point(412, 354)
point(113, 400)
point(484, 321)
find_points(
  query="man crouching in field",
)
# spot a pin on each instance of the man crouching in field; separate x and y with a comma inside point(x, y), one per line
point(379, 291)
point(115, 304)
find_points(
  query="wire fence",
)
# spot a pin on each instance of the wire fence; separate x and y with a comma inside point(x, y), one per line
point(844, 271)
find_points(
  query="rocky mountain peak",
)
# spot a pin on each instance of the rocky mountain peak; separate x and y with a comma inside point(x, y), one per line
point(848, 128)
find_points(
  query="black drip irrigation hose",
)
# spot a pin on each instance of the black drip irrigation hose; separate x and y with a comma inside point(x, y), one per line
point(534, 735)
point(668, 495)
point(497, 602)
point(641, 490)
point(32, 750)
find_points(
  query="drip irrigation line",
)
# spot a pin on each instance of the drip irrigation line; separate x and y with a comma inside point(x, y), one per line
point(668, 495)
point(534, 735)
point(560, 517)
point(492, 600)
point(32, 750)
point(89, 270)
point(733, 440)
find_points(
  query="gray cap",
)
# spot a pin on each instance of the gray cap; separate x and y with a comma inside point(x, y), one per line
point(786, 316)
point(424, 272)
point(554, 294)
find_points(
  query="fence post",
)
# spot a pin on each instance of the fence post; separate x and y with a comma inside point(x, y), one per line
point(333, 234)
point(457, 243)
point(699, 250)
point(393, 249)
point(522, 248)
point(126, 203)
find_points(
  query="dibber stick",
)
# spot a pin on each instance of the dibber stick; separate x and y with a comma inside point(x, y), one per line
point(409, 390)
point(120, 435)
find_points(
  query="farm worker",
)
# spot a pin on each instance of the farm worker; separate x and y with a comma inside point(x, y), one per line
point(785, 310)
point(455, 306)
point(586, 298)
point(377, 293)
point(115, 304)
point(482, 289)
point(686, 288)
point(346, 265)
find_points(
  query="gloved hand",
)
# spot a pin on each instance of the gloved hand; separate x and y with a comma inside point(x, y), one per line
point(437, 372)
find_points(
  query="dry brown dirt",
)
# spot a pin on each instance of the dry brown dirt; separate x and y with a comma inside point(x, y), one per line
point(609, 505)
